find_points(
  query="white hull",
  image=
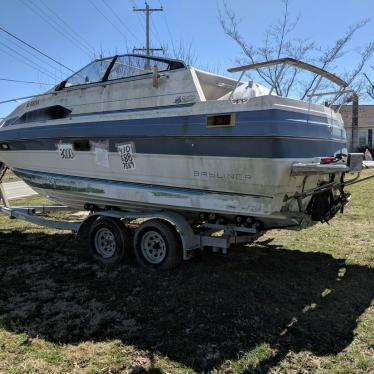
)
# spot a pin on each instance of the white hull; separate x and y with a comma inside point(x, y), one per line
point(227, 186)
point(262, 177)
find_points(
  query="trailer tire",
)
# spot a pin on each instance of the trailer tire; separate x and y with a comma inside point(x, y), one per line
point(157, 245)
point(109, 241)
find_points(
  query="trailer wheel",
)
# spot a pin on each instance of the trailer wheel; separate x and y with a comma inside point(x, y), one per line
point(157, 245)
point(109, 241)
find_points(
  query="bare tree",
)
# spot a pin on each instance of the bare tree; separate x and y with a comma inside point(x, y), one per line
point(370, 87)
point(185, 51)
point(181, 51)
point(279, 41)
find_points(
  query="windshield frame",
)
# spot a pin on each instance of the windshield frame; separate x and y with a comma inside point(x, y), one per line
point(172, 65)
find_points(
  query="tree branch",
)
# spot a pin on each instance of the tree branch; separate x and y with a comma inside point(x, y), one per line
point(279, 42)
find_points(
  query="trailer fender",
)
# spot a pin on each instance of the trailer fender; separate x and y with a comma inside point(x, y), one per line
point(84, 228)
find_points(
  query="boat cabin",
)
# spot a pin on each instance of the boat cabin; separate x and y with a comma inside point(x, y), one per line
point(130, 82)
point(133, 82)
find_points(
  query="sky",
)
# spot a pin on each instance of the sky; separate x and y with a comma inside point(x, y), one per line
point(87, 27)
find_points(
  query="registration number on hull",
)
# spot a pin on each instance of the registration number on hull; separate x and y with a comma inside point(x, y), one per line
point(126, 153)
point(66, 151)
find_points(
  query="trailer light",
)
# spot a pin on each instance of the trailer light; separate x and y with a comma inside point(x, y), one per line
point(326, 160)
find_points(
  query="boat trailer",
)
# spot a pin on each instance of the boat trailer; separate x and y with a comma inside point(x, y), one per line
point(155, 234)
point(113, 223)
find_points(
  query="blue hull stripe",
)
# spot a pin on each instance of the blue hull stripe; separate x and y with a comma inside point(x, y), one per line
point(252, 147)
point(253, 123)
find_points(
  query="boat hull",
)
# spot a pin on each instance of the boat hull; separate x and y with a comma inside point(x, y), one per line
point(176, 161)
point(94, 194)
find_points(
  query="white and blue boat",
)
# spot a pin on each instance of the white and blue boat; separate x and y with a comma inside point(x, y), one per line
point(140, 133)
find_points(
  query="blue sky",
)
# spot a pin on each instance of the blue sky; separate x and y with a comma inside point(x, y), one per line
point(190, 21)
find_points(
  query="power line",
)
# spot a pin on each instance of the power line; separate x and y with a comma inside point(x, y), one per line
point(26, 63)
point(168, 29)
point(35, 49)
point(147, 11)
point(29, 82)
point(55, 27)
point(42, 68)
point(73, 38)
point(155, 31)
point(152, 25)
point(108, 19)
point(71, 30)
point(31, 53)
point(141, 22)
point(29, 60)
point(120, 20)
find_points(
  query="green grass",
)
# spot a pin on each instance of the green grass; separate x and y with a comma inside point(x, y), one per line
point(10, 177)
point(294, 302)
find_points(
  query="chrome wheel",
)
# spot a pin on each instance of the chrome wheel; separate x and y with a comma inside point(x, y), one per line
point(105, 243)
point(153, 247)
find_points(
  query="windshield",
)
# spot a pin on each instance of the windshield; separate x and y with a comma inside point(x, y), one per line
point(130, 66)
point(92, 73)
point(124, 66)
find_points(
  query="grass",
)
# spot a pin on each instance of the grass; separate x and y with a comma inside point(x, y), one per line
point(10, 177)
point(294, 302)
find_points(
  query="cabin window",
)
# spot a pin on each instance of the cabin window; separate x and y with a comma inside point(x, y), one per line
point(44, 114)
point(131, 66)
point(221, 120)
point(8, 122)
point(92, 73)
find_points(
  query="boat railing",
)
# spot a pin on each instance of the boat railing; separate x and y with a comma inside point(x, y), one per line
point(337, 94)
point(298, 64)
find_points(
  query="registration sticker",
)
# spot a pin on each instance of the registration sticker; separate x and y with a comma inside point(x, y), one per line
point(126, 152)
point(66, 151)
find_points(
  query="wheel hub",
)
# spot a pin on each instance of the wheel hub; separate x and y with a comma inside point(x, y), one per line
point(105, 243)
point(153, 247)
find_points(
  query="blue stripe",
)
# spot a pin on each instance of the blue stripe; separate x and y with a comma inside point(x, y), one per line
point(255, 147)
point(253, 123)
point(257, 134)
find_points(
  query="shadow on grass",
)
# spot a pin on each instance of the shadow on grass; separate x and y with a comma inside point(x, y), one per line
point(200, 314)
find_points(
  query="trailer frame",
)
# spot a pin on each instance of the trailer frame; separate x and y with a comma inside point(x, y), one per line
point(191, 241)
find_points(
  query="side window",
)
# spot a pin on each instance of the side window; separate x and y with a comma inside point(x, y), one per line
point(92, 73)
point(131, 66)
point(362, 140)
point(370, 137)
point(8, 122)
point(221, 120)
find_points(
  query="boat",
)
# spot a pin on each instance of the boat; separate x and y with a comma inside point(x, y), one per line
point(142, 133)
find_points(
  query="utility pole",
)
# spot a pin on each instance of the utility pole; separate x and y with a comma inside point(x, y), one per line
point(147, 10)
